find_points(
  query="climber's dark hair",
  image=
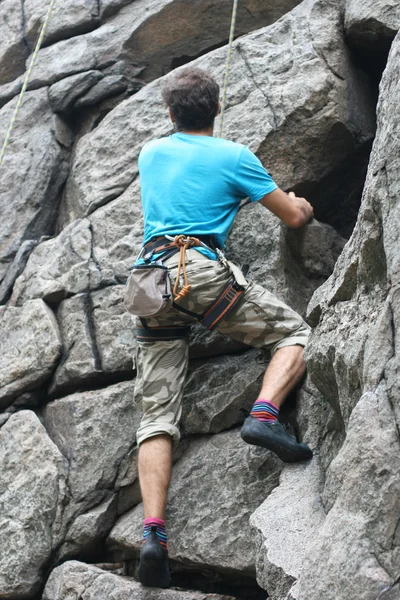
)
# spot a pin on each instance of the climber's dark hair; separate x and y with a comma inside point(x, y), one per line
point(192, 96)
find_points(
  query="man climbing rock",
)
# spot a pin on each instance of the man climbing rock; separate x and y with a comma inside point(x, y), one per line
point(192, 185)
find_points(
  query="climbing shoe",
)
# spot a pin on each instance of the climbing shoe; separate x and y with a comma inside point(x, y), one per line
point(153, 569)
point(276, 438)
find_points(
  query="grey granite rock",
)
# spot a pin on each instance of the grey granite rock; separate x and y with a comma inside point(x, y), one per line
point(30, 348)
point(80, 363)
point(216, 485)
point(15, 269)
point(114, 330)
point(217, 389)
point(64, 94)
point(353, 360)
point(371, 21)
point(362, 497)
point(67, 19)
point(31, 474)
point(35, 167)
point(109, 86)
point(95, 431)
point(12, 48)
point(286, 523)
point(85, 423)
point(176, 28)
point(286, 77)
point(74, 580)
point(59, 267)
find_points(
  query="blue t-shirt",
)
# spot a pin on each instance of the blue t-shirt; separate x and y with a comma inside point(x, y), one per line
point(193, 184)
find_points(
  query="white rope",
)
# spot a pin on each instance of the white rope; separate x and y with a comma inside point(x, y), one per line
point(27, 79)
point(228, 65)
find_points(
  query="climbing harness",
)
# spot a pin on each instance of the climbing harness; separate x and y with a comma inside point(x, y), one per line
point(168, 246)
point(27, 79)
point(228, 65)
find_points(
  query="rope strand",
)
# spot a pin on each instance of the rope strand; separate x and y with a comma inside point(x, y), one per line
point(228, 65)
point(27, 79)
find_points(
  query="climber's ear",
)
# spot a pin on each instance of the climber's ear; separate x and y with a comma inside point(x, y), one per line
point(171, 116)
point(218, 108)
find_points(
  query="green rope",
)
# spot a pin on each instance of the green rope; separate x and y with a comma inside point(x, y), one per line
point(27, 79)
point(228, 65)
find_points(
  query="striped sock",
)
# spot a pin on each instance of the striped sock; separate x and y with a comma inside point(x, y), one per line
point(265, 411)
point(159, 525)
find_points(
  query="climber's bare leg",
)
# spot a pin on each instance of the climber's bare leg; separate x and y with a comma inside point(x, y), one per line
point(155, 465)
point(286, 369)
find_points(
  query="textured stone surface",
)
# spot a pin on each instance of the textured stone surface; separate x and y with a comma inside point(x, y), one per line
point(12, 49)
point(279, 74)
point(114, 329)
point(30, 348)
point(368, 22)
point(59, 267)
point(217, 389)
point(176, 28)
point(80, 361)
point(216, 485)
point(15, 269)
point(286, 523)
point(353, 360)
point(290, 263)
point(34, 168)
point(67, 19)
point(30, 490)
point(75, 580)
point(362, 495)
point(82, 425)
point(64, 94)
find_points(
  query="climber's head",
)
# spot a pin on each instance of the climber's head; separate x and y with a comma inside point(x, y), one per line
point(192, 97)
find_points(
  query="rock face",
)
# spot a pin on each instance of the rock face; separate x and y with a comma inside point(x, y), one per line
point(352, 359)
point(29, 202)
point(302, 95)
point(30, 348)
point(73, 579)
point(228, 479)
point(30, 492)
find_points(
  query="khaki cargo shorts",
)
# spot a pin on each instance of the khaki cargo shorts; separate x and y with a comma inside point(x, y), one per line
point(260, 320)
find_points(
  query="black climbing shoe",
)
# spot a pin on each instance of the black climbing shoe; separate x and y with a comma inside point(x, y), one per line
point(274, 437)
point(153, 569)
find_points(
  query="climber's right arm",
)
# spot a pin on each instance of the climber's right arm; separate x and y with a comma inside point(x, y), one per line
point(291, 210)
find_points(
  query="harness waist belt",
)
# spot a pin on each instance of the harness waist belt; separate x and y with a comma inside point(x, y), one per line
point(163, 244)
point(166, 334)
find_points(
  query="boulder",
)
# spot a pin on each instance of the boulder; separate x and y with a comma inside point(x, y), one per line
point(13, 51)
point(30, 348)
point(216, 485)
point(217, 390)
point(352, 555)
point(82, 425)
point(32, 471)
point(67, 20)
point(64, 94)
point(74, 580)
point(80, 362)
point(298, 513)
point(368, 23)
point(352, 358)
point(59, 267)
point(289, 100)
point(176, 27)
point(85, 423)
point(34, 168)
point(114, 329)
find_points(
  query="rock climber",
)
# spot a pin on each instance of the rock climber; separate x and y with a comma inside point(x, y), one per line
point(192, 185)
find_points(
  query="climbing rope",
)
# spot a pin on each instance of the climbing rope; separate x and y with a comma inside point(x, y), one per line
point(183, 243)
point(27, 79)
point(228, 65)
